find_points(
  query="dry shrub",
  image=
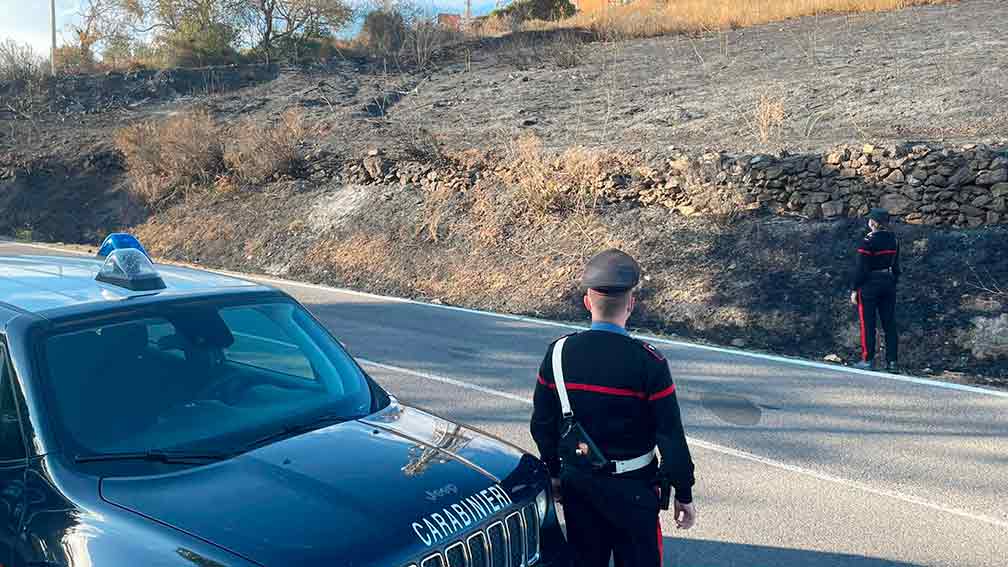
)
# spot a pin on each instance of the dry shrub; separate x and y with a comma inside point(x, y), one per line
point(520, 51)
point(768, 117)
point(566, 50)
point(494, 25)
point(425, 40)
point(20, 64)
point(167, 156)
point(554, 183)
point(258, 153)
point(648, 18)
point(406, 36)
point(384, 33)
point(438, 207)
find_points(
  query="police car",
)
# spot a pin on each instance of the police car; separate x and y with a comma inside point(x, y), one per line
point(162, 416)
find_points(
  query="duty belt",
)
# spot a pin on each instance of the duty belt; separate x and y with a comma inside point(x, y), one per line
point(630, 465)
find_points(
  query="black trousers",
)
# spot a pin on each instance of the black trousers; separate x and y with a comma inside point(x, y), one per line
point(877, 303)
point(610, 516)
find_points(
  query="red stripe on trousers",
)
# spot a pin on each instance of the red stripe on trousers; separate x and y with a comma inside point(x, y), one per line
point(661, 545)
point(864, 336)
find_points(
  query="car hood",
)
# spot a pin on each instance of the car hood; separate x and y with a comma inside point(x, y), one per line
point(378, 491)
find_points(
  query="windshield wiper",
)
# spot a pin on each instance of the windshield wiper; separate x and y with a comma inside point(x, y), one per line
point(291, 430)
point(156, 455)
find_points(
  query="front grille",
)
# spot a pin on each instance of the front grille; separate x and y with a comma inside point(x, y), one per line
point(516, 544)
point(513, 542)
point(456, 555)
point(498, 545)
point(531, 533)
point(433, 561)
point(478, 555)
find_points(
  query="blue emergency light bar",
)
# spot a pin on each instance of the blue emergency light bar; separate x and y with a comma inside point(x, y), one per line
point(121, 241)
point(130, 269)
point(127, 264)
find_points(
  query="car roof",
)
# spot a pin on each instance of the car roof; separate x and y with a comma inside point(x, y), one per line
point(38, 284)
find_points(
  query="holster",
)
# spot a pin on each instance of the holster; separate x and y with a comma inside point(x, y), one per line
point(577, 449)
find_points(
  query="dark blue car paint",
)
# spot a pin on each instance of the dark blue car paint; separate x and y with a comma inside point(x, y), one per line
point(346, 494)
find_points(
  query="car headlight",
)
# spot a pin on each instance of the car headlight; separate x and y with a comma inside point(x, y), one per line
point(542, 505)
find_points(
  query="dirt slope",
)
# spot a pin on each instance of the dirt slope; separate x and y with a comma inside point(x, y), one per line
point(765, 282)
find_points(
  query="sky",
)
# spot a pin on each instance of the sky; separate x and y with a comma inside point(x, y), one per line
point(27, 21)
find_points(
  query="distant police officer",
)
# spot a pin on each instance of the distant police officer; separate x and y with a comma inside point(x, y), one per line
point(874, 289)
point(603, 402)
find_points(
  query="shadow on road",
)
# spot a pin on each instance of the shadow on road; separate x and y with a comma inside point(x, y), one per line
point(708, 553)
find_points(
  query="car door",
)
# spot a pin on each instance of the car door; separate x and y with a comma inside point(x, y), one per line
point(13, 464)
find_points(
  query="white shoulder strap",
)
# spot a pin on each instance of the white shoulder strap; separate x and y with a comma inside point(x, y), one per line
point(558, 378)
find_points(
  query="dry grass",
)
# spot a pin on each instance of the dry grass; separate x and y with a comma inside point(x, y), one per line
point(191, 152)
point(768, 118)
point(649, 18)
point(258, 153)
point(494, 25)
point(172, 155)
point(549, 183)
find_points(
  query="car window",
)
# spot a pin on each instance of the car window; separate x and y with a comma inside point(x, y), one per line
point(11, 442)
point(263, 343)
point(197, 376)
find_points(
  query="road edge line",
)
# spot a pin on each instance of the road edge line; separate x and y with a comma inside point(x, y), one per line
point(574, 327)
point(730, 451)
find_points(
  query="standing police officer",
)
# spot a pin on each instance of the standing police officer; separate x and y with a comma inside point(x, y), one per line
point(874, 289)
point(603, 402)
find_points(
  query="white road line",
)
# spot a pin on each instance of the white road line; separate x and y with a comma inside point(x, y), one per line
point(574, 327)
point(720, 449)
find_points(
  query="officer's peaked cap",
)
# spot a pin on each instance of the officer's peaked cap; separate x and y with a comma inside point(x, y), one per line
point(611, 271)
point(879, 215)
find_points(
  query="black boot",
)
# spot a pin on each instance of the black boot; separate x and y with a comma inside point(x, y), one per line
point(892, 367)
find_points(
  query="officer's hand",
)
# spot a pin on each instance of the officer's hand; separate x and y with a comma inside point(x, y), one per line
point(853, 297)
point(685, 515)
point(555, 486)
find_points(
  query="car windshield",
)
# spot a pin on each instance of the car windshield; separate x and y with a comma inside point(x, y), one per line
point(199, 377)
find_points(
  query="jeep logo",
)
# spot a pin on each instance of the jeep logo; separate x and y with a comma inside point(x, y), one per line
point(434, 495)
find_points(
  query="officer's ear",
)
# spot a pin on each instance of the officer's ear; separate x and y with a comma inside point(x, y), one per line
point(587, 302)
point(631, 303)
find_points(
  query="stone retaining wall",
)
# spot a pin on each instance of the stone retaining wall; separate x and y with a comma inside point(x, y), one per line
point(922, 184)
point(919, 183)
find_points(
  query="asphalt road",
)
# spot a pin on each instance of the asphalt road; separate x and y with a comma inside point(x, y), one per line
point(797, 464)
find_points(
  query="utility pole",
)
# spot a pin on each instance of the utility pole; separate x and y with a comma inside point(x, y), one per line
point(52, 26)
point(468, 12)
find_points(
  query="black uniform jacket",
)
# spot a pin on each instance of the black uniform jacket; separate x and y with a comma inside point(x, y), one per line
point(622, 394)
point(879, 252)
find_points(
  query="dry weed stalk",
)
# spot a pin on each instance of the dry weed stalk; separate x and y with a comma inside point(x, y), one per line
point(768, 117)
